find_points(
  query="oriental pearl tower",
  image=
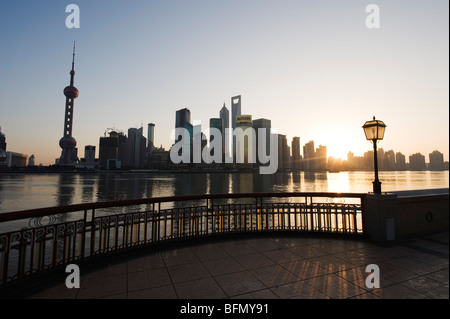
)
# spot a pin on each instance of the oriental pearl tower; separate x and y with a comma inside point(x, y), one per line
point(67, 142)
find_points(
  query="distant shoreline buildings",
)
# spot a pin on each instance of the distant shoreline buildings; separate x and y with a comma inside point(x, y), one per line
point(120, 151)
point(248, 150)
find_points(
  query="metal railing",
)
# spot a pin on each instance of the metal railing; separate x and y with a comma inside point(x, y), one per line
point(51, 237)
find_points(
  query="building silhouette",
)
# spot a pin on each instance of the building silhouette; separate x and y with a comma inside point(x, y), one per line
point(235, 110)
point(150, 136)
point(14, 159)
point(283, 152)
point(417, 162)
point(113, 150)
point(89, 159)
point(136, 148)
point(266, 125)
point(31, 160)
point(182, 117)
point(2, 141)
point(436, 161)
point(217, 123)
point(296, 157)
point(309, 156)
point(67, 142)
point(389, 160)
point(400, 161)
point(244, 145)
point(225, 116)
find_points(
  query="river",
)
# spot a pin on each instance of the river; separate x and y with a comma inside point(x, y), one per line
point(28, 191)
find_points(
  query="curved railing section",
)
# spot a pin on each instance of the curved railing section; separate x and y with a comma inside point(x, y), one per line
point(40, 239)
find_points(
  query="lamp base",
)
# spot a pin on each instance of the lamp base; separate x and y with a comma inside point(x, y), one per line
point(376, 187)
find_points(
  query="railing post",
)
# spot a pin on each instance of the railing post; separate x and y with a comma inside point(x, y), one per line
point(22, 256)
point(5, 258)
point(92, 233)
point(83, 235)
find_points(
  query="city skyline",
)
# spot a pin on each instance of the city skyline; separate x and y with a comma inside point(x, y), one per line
point(320, 85)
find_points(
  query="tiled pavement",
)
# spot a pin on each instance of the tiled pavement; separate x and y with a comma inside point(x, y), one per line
point(271, 267)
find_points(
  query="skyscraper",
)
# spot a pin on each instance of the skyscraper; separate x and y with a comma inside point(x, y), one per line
point(182, 118)
point(296, 158)
point(67, 142)
point(400, 161)
point(235, 109)
point(309, 156)
point(89, 155)
point(266, 125)
point(225, 116)
point(2, 141)
point(151, 136)
point(417, 162)
point(436, 161)
point(283, 152)
point(245, 143)
point(217, 123)
point(136, 147)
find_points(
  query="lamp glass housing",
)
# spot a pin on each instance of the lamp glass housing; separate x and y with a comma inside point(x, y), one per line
point(374, 130)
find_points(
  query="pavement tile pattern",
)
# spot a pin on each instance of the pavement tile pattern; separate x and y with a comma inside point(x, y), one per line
point(271, 267)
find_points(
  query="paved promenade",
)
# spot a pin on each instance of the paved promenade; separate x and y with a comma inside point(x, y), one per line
point(271, 267)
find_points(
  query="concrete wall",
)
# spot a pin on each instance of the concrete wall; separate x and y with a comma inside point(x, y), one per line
point(390, 217)
point(422, 214)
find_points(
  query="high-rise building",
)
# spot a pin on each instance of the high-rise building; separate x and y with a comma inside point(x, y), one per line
point(113, 150)
point(217, 123)
point(108, 150)
point(225, 116)
point(151, 136)
point(369, 160)
point(67, 142)
point(283, 152)
point(309, 156)
point(89, 155)
point(389, 160)
point(14, 159)
point(235, 110)
point(400, 161)
point(436, 161)
point(136, 147)
point(2, 141)
point(31, 160)
point(296, 157)
point(321, 158)
point(182, 117)
point(183, 120)
point(266, 125)
point(246, 142)
point(417, 162)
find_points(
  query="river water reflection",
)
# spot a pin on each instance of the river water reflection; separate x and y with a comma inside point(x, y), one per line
point(28, 191)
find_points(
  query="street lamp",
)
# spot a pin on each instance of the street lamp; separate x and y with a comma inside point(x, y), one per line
point(374, 131)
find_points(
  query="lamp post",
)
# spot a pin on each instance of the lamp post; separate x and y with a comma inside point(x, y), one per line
point(374, 131)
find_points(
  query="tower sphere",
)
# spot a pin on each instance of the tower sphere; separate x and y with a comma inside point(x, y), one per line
point(71, 92)
point(67, 142)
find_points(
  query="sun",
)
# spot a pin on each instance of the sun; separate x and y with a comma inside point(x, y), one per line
point(337, 151)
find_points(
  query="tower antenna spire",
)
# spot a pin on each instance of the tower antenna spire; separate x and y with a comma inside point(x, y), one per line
point(73, 58)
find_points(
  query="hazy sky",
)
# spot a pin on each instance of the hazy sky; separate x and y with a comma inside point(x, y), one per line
point(312, 67)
